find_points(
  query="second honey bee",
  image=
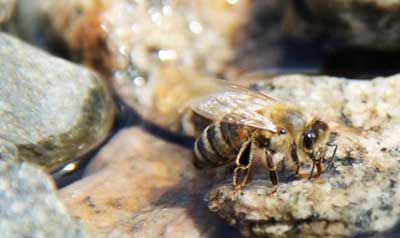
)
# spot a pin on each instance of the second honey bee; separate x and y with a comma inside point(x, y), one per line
point(244, 121)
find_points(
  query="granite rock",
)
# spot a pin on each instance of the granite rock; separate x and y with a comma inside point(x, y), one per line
point(359, 195)
point(30, 206)
point(142, 186)
point(52, 111)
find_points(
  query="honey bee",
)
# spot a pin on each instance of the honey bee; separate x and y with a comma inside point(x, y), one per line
point(244, 121)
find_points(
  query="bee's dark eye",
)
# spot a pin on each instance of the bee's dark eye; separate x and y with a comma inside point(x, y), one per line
point(309, 139)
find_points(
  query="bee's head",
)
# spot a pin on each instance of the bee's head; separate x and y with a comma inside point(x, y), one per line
point(315, 135)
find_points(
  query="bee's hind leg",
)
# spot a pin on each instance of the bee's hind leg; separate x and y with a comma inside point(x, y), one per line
point(244, 160)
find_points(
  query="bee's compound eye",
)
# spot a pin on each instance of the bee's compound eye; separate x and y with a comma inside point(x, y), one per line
point(308, 139)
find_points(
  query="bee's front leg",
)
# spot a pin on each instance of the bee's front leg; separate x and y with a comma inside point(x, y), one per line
point(295, 158)
point(317, 162)
point(244, 160)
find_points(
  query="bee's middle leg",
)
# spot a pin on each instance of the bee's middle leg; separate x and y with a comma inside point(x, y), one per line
point(273, 173)
point(244, 161)
point(318, 163)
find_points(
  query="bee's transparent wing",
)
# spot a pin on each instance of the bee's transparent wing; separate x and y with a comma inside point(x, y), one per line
point(236, 105)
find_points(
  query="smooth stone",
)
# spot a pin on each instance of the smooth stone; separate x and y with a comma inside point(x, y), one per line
point(373, 24)
point(142, 186)
point(52, 111)
point(30, 206)
point(359, 195)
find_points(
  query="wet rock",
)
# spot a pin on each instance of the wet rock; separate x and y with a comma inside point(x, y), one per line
point(372, 24)
point(136, 36)
point(141, 186)
point(163, 101)
point(358, 196)
point(6, 10)
point(192, 40)
point(203, 35)
point(52, 111)
point(30, 206)
point(131, 40)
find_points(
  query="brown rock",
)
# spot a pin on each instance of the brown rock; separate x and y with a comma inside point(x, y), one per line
point(141, 186)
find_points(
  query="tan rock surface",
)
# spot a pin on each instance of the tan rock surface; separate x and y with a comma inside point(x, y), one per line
point(141, 186)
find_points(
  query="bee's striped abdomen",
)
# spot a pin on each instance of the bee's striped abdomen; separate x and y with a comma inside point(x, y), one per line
point(214, 148)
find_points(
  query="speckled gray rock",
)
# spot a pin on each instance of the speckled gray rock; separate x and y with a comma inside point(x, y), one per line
point(359, 195)
point(367, 23)
point(30, 206)
point(6, 10)
point(51, 110)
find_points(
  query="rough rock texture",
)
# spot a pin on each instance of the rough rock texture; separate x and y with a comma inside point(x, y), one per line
point(359, 195)
point(141, 186)
point(51, 110)
point(6, 10)
point(367, 23)
point(30, 206)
